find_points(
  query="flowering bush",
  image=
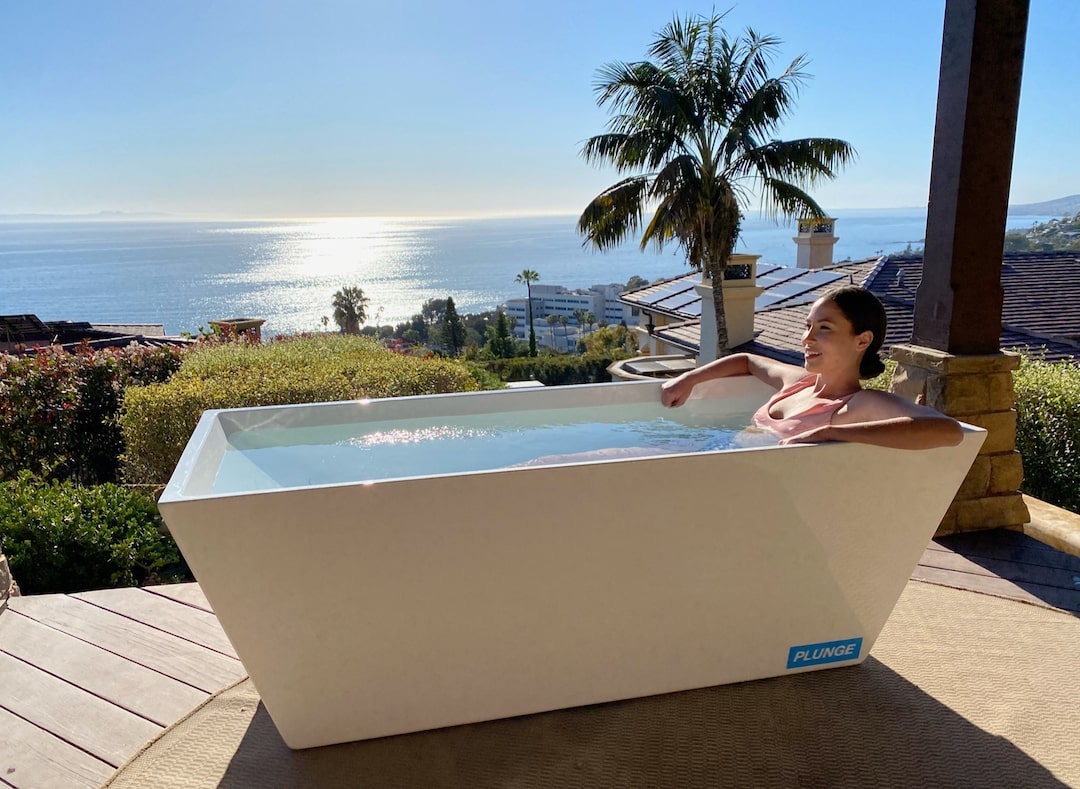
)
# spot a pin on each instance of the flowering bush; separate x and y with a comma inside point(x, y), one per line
point(59, 411)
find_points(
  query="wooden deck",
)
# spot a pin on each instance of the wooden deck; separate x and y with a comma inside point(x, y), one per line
point(87, 679)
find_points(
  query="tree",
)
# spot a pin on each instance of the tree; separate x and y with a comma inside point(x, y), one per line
point(636, 282)
point(693, 130)
point(528, 276)
point(551, 321)
point(590, 319)
point(453, 332)
point(500, 343)
point(350, 309)
point(563, 320)
point(433, 311)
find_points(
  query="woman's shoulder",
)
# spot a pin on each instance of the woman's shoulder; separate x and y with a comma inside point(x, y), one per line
point(875, 404)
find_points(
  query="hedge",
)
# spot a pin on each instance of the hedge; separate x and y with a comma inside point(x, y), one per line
point(62, 537)
point(1048, 430)
point(59, 410)
point(157, 420)
point(553, 370)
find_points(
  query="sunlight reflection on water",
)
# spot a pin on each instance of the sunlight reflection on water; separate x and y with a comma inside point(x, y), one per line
point(184, 274)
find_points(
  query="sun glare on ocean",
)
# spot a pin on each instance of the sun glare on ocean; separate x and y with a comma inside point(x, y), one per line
point(301, 264)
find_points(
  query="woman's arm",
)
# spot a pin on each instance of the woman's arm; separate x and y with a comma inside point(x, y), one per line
point(676, 391)
point(885, 420)
point(903, 432)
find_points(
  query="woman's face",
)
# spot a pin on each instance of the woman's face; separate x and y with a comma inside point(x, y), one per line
point(829, 343)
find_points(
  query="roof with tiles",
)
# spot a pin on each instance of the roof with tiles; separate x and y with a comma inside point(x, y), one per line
point(1041, 314)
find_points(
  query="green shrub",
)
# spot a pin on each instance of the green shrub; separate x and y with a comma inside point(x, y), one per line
point(553, 370)
point(59, 410)
point(61, 537)
point(1048, 430)
point(882, 381)
point(158, 420)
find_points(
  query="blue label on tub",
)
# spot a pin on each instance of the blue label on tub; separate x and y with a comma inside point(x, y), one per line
point(825, 652)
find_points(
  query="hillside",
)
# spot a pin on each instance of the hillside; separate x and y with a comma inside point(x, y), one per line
point(1055, 235)
point(1060, 207)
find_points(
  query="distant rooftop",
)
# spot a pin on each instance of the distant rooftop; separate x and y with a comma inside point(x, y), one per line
point(27, 333)
point(1041, 313)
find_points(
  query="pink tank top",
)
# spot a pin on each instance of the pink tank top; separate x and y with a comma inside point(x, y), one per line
point(817, 416)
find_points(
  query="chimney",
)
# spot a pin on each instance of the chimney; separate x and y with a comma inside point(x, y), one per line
point(815, 242)
point(740, 292)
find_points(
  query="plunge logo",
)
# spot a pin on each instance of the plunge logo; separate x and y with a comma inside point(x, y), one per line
point(825, 652)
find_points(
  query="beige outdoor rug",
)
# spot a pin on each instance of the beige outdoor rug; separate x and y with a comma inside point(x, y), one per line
point(961, 690)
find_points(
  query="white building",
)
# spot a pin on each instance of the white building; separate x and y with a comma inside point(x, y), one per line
point(601, 300)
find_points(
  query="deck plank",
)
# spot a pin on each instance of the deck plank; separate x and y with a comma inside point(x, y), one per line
point(136, 688)
point(1002, 568)
point(31, 758)
point(1032, 593)
point(75, 716)
point(165, 614)
point(188, 594)
point(1006, 545)
point(173, 656)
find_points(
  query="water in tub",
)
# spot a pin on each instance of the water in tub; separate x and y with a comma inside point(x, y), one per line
point(418, 447)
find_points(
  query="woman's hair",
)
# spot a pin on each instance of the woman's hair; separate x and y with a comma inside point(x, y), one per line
point(865, 313)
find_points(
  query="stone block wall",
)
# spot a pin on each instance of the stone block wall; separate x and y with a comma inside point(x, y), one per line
point(977, 390)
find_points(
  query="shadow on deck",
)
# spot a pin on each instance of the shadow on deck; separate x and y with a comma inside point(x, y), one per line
point(962, 689)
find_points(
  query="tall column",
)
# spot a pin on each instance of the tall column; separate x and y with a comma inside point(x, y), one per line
point(955, 363)
point(958, 303)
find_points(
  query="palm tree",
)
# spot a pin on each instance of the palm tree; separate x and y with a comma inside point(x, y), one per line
point(590, 319)
point(528, 276)
point(350, 309)
point(551, 321)
point(693, 130)
point(563, 320)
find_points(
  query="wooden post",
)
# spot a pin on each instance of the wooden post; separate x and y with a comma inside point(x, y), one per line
point(955, 363)
point(958, 303)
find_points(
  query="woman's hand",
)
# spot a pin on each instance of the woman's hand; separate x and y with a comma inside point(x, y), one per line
point(676, 391)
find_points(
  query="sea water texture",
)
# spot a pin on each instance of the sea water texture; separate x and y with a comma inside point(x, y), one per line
point(183, 274)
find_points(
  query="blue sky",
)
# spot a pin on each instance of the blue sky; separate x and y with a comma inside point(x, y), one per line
point(297, 108)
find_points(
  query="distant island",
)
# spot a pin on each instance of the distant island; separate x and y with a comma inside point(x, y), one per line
point(100, 215)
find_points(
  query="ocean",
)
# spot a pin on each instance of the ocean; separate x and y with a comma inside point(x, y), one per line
point(184, 274)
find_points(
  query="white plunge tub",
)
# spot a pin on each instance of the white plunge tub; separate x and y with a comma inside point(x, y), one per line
point(370, 608)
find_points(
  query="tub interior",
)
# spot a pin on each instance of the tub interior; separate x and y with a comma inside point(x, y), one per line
point(259, 449)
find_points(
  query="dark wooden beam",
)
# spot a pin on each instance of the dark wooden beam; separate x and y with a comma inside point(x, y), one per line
point(958, 304)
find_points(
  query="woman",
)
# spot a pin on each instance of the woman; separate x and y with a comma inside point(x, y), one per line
point(824, 401)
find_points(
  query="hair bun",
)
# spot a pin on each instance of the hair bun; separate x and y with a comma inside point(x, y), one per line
point(871, 366)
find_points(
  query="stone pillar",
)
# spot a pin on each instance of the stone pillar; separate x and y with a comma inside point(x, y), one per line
point(977, 389)
point(8, 587)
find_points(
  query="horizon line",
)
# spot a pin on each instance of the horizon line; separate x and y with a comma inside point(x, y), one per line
point(130, 216)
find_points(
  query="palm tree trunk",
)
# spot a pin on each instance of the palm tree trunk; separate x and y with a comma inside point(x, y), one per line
point(717, 275)
point(532, 332)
